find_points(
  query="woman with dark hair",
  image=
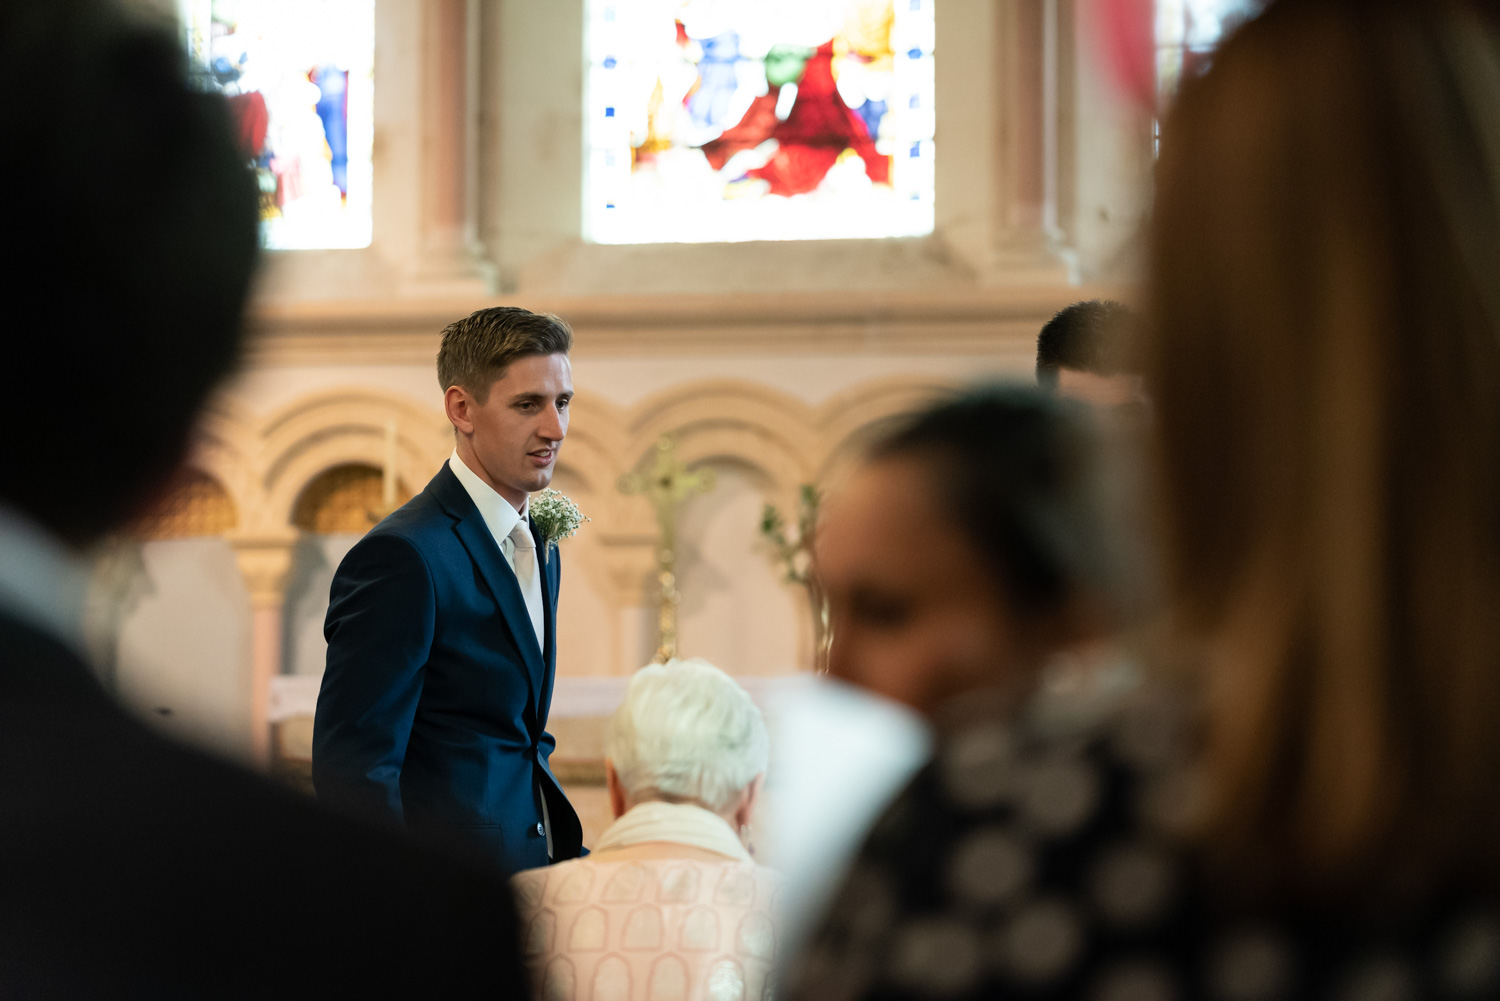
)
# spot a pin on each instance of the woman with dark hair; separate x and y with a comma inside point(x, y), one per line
point(969, 550)
point(1305, 805)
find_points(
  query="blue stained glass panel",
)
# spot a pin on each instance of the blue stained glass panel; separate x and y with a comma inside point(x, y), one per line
point(299, 76)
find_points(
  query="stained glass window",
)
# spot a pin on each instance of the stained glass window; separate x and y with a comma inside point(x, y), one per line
point(1188, 31)
point(299, 76)
point(717, 120)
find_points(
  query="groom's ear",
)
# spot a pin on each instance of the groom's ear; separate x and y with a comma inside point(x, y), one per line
point(458, 404)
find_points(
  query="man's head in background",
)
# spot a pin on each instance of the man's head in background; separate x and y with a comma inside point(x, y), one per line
point(134, 234)
point(1087, 352)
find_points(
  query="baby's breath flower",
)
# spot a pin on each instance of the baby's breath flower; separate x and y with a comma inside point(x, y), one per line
point(556, 515)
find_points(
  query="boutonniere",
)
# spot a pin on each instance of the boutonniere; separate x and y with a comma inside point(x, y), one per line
point(557, 516)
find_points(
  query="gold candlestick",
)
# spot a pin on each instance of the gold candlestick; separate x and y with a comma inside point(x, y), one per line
point(667, 485)
point(387, 476)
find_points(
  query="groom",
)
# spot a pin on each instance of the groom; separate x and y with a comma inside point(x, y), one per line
point(442, 637)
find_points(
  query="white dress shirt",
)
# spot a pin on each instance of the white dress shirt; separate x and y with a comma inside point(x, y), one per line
point(501, 519)
point(42, 581)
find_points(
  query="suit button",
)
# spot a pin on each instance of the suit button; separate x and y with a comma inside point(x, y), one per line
point(541, 831)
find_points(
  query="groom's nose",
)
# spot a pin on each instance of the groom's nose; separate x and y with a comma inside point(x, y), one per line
point(554, 426)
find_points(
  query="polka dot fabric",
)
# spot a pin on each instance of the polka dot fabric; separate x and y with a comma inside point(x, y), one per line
point(1030, 859)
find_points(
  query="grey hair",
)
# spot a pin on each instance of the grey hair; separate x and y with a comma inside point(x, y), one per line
point(687, 730)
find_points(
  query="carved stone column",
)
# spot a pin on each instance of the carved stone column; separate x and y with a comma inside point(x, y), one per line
point(630, 563)
point(1029, 242)
point(453, 261)
point(266, 564)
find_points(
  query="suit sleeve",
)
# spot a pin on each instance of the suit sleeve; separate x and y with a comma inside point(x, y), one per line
point(379, 629)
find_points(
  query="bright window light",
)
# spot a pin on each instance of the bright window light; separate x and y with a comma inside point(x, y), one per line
point(299, 75)
point(727, 120)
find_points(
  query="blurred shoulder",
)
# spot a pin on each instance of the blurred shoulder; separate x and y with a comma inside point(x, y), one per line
point(137, 824)
point(573, 882)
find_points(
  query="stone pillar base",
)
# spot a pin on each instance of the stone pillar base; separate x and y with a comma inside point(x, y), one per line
point(451, 272)
point(266, 564)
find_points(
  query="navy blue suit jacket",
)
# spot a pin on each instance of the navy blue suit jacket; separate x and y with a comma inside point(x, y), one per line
point(433, 708)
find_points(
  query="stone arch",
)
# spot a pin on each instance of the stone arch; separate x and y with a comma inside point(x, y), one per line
point(717, 401)
point(347, 427)
point(595, 445)
point(847, 417)
point(784, 472)
point(344, 499)
point(196, 506)
point(225, 448)
point(744, 422)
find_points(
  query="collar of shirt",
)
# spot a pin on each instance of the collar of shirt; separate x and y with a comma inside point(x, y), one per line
point(499, 517)
point(42, 581)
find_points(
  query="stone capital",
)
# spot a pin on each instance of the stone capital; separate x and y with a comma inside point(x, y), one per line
point(265, 561)
point(630, 563)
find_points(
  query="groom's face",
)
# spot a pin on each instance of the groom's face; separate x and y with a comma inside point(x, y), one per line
point(514, 436)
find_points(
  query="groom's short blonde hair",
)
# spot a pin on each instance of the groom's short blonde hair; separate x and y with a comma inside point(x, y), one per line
point(479, 348)
point(687, 731)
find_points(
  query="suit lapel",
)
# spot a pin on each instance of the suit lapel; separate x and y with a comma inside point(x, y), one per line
point(551, 574)
point(497, 574)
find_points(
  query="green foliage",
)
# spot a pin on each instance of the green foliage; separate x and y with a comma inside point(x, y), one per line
point(793, 552)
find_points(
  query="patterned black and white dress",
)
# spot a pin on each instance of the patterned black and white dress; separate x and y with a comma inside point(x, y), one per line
point(1030, 859)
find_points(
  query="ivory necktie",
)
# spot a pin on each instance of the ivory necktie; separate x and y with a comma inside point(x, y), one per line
point(523, 560)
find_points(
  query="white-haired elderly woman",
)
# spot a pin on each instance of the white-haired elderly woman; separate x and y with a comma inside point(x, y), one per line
point(670, 905)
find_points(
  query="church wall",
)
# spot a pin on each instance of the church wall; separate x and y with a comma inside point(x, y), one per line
point(315, 559)
point(625, 380)
point(182, 659)
point(736, 611)
point(1039, 178)
point(764, 424)
point(764, 360)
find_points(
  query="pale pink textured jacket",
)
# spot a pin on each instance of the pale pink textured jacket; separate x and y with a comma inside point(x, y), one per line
point(623, 926)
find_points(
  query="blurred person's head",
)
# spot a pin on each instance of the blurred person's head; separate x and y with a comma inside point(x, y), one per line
point(969, 548)
point(687, 733)
point(1325, 367)
point(507, 383)
point(133, 222)
point(1087, 352)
